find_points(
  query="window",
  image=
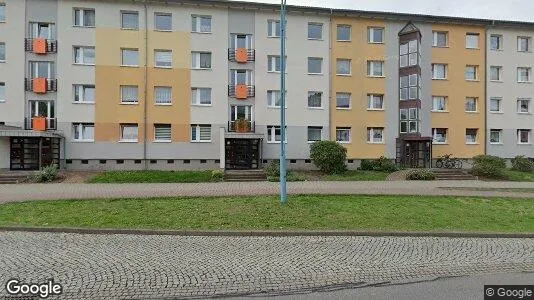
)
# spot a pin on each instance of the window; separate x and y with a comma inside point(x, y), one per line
point(2, 92)
point(84, 55)
point(343, 100)
point(441, 39)
point(84, 17)
point(129, 94)
point(162, 132)
point(163, 58)
point(274, 134)
point(495, 136)
point(274, 63)
point(201, 96)
point(409, 87)
point(439, 135)
point(471, 40)
point(439, 71)
point(163, 22)
point(130, 57)
point(471, 135)
point(83, 132)
point(409, 54)
point(130, 20)
point(375, 135)
point(2, 12)
point(495, 73)
point(439, 103)
point(495, 105)
point(471, 104)
point(315, 65)
point(273, 28)
point(273, 98)
point(344, 33)
point(375, 35)
point(496, 42)
point(375, 68)
point(523, 136)
point(343, 134)
point(343, 66)
point(523, 74)
point(129, 132)
point(523, 44)
point(201, 60)
point(201, 24)
point(375, 102)
point(315, 31)
point(523, 106)
point(2, 52)
point(409, 120)
point(471, 73)
point(163, 95)
point(84, 93)
point(315, 99)
point(42, 30)
point(201, 133)
point(315, 133)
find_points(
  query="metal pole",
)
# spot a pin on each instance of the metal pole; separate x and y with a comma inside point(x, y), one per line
point(283, 186)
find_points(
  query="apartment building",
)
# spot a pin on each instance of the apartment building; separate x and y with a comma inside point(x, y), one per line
point(190, 84)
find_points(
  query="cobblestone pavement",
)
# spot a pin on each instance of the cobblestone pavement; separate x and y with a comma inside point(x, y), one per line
point(165, 267)
point(23, 192)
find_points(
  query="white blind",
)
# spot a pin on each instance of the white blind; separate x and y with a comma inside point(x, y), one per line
point(163, 58)
point(205, 132)
point(162, 132)
point(129, 94)
point(163, 95)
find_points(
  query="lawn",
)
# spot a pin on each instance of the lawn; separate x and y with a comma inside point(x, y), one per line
point(385, 213)
point(351, 175)
point(152, 177)
point(512, 175)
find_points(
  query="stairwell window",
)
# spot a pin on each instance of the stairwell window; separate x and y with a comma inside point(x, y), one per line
point(471, 135)
point(495, 136)
point(523, 136)
point(314, 133)
point(162, 21)
point(2, 52)
point(273, 28)
point(84, 17)
point(375, 35)
point(439, 104)
point(201, 60)
point(2, 92)
point(162, 133)
point(441, 39)
point(375, 68)
point(439, 135)
point(201, 133)
point(201, 96)
point(130, 20)
point(129, 94)
point(343, 135)
point(201, 24)
point(344, 33)
point(375, 102)
point(523, 106)
point(375, 135)
point(163, 58)
point(84, 55)
point(83, 132)
point(439, 71)
point(130, 57)
point(409, 120)
point(495, 105)
point(471, 104)
point(523, 74)
point(471, 40)
point(524, 44)
point(84, 93)
point(163, 95)
point(129, 133)
point(343, 100)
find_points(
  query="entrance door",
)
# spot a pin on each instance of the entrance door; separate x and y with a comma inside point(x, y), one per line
point(417, 154)
point(242, 154)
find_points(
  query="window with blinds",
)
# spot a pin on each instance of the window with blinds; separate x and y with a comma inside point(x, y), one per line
point(163, 95)
point(129, 94)
point(163, 58)
point(162, 132)
point(201, 133)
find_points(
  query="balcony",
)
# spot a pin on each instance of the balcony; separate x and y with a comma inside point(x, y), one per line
point(40, 46)
point(241, 91)
point(244, 127)
point(40, 85)
point(241, 55)
point(40, 123)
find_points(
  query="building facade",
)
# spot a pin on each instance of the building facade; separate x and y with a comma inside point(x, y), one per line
point(196, 85)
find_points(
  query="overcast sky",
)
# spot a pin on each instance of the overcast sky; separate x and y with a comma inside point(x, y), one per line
point(515, 10)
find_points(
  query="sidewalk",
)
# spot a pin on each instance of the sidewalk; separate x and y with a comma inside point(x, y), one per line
point(24, 192)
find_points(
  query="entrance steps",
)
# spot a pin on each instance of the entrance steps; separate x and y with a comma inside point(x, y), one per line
point(14, 177)
point(452, 174)
point(245, 175)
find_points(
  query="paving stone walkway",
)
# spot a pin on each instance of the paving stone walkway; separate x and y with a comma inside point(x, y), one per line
point(24, 192)
point(164, 267)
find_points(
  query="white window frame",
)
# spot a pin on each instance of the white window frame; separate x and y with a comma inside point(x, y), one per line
point(195, 60)
point(271, 98)
point(435, 102)
point(519, 44)
point(82, 56)
point(3, 14)
point(435, 40)
point(129, 12)
point(124, 126)
point(80, 91)
point(162, 140)
point(499, 131)
point(499, 100)
point(271, 63)
point(129, 50)
point(499, 73)
point(321, 66)
point(162, 52)
point(166, 102)
point(468, 37)
point(349, 129)
point(80, 129)
point(434, 134)
point(343, 94)
point(311, 93)
point(162, 14)
point(349, 61)
point(529, 74)
point(476, 104)
point(500, 39)
point(81, 17)
point(475, 142)
point(3, 93)
point(475, 69)
point(519, 136)
point(271, 27)
point(518, 106)
point(122, 90)
point(370, 101)
point(195, 96)
point(271, 134)
point(322, 31)
point(371, 132)
point(320, 128)
point(370, 35)
point(343, 26)
point(445, 70)
point(371, 69)
point(197, 21)
point(198, 137)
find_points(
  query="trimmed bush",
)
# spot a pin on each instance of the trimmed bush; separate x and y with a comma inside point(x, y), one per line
point(523, 164)
point(329, 156)
point(217, 175)
point(46, 174)
point(489, 166)
point(421, 174)
point(273, 168)
point(382, 164)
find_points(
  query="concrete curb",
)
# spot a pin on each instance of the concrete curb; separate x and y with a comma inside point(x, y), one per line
point(269, 233)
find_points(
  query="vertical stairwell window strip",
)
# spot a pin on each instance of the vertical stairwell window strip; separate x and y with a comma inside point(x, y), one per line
point(201, 24)
point(162, 133)
point(163, 95)
point(409, 54)
point(129, 94)
point(201, 133)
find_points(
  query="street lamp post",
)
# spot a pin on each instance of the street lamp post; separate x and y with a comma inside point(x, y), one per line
point(283, 186)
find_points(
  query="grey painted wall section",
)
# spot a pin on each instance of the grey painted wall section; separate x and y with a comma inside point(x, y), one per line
point(426, 79)
point(4, 153)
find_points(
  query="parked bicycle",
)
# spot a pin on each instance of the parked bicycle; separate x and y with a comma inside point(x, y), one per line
point(448, 162)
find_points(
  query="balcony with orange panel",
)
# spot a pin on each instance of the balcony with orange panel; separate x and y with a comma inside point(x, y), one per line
point(241, 55)
point(40, 85)
point(241, 91)
point(40, 46)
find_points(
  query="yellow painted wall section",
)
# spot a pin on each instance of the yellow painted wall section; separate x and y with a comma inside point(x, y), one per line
point(359, 51)
point(457, 88)
point(110, 75)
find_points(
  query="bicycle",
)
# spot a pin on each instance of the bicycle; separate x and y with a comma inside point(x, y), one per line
point(446, 161)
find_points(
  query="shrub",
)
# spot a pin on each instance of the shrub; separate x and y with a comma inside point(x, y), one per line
point(523, 164)
point(382, 164)
point(421, 174)
point(217, 175)
point(367, 165)
point(46, 174)
point(329, 157)
point(289, 177)
point(489, 166)
point(273, 168)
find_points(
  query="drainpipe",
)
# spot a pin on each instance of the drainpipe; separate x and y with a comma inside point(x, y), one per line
point(330, 53)
point(145, 130)
point(486, 90)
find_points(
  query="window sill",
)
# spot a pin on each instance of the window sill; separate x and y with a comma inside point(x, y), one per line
point(345, 75)
point(496, 144)
point(81, 26)
point(316, 74)
point(497, 81)
point(344, 41)
point(445, 47)
point(373, 76)
point(442, 79)
point(163, 104)
point(275, 72)
point(202, 105)
point(201, 142)
point(500, 50)
point(472, 144)
point(375, 109)
point(126, 103)
point(202, 32)
point(496, 112)
point(83, 102)
point(344, 108)
point(524, 144)
point(83, 141)
point(472, 48)
point(472, 112)
point(472, 80)
point(436, 143)
point(524, 113)
point(82, 64)
point(130, 66)
point(273, 37)
point(343, 142)
point(313, 39)
point(275, 107)
point(202, 69)
point(439, 111)
point(524, 51)
point(376, 143)
point(163, 67)
point(130, 29)
point(527, 82)
point(316, 108)
point(2, 101)
point(162, 141)
point(2, 61)
point(162, 30)
point(271, 142)
point(129, 141)
point(376, 43)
